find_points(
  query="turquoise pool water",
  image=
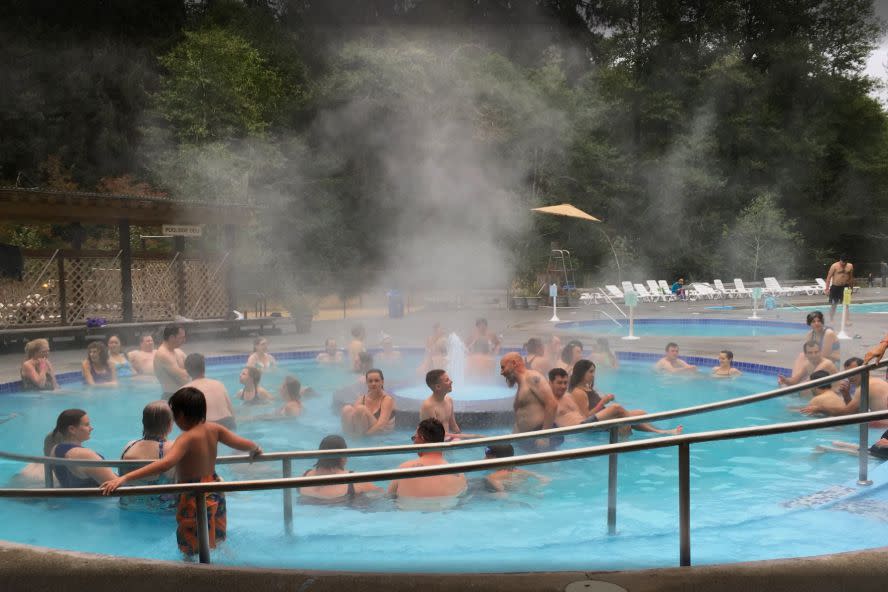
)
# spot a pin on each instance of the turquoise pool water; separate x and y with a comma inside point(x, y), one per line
point(866, 307)
point(742, 501)
point(687, 327)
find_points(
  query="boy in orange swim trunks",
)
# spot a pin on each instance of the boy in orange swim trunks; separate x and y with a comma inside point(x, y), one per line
point(194, 456)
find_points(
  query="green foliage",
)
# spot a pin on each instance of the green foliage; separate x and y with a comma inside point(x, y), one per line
point(218, 86)
point(763, 239)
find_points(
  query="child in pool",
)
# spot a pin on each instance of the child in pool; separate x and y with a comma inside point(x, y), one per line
point(194, 456)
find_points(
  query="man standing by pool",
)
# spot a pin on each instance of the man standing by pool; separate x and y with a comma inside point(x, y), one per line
point(169, 361)
point(535, 405)
point(142, 359)
point(839, 277)
point(671, 362)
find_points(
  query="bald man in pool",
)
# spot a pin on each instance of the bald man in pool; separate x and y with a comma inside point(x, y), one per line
point(535, 404)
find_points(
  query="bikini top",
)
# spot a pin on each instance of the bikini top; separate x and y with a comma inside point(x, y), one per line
point(378, 411)
point(97, 376)
point(835, 346)
point(349, 493)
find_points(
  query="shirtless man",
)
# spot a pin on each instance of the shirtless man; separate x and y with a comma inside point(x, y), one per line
point(482, 333)
point(169, 361)
point(826, 401)
point(356, 347)
point(535, 405)
point(439, 405)
point(570, 414)
point(878, 398)
point(671, 362)
point(448, 487)
point(331, 354)
point(813, 362)
point(839, 277)
point(219, 409)
point(142, 359)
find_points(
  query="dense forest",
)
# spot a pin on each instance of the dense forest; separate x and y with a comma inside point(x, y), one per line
point(412, 137)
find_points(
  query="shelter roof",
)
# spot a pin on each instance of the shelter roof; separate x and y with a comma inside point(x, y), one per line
point(40, 205)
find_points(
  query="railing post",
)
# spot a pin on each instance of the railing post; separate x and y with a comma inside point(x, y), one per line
point(684, 503)
point(287, 472)
point(203, 531)
point(47, 476)
point(63, 297)
point(863, 448)
point(612, 485)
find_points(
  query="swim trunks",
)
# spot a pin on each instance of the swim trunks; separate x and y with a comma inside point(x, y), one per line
point(186, 517)
point(590, 419)
point(836, 293)
point(531, 445)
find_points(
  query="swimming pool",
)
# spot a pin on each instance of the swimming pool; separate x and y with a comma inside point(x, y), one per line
point(863, 307)
point(745, 494)
point(686, 327)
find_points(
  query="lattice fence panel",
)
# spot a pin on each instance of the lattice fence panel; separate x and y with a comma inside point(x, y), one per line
point(21, 305)
point(205, 293)
point(155, 292)
point(92, 288)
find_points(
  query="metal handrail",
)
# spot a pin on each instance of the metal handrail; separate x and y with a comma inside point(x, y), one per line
point(611, 300)
point(682, 441)
point(478, 442)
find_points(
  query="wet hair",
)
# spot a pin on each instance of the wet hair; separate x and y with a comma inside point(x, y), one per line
point(433, 377)
point(255, 375)
point(556, 373)
point(34, 346)
point(365, 361)
point(100, 347)
point(579, 372)
point(566, 353)
point(481, 346)
point(171, 331)
point(157, 419)
point(808, 345)
point(195, 365)
point(329, 341)
point(331, 442)
point(372, 370)
point(812, 316)
point(499, 451)
point(534, 345)
point(729, 354)
point(850, 361)
point(110, 337)
point(257, 341)
point(670, 344)
point(293, 388)
point(431, 430)
point(358, 331)
point(190, 403)
point(481, 321)
point(65, 420)
point(820, 374)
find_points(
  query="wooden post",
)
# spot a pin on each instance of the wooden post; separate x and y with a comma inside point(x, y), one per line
point(126, 270)
point(179, 247)
point(63, 299)
point(229, 243)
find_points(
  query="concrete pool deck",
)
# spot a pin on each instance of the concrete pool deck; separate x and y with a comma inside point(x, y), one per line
point(33, 568)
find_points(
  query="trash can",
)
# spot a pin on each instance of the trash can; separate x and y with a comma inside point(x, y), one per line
point(395, 304)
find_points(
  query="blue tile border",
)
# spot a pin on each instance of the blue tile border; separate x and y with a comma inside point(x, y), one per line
point(764, 369)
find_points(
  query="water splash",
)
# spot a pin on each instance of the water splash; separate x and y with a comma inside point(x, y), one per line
point(456, 358)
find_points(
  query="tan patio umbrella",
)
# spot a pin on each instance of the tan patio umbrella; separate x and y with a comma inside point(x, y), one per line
point(575, 212)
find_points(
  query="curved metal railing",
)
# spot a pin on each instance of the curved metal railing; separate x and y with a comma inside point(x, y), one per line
point(613, 450)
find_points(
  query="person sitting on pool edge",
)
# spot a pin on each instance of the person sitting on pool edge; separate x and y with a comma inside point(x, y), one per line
point(509, 478)
point(373, 412)
point(671, 362)
point(327, 465)
point(194, 457)
point(72, 429)
point(808, 365)
point(444, 489)
point(725, 368)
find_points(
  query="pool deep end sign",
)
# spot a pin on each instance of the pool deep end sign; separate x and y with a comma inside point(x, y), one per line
point(182, 229)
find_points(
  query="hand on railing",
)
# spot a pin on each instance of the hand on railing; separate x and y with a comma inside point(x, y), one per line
point(255, 453)
point(111, 485)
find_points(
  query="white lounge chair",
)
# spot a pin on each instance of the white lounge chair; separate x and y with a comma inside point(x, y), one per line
point(654, 289)
point(628, 287)
point(741, 289)
point(591, 297)
point(703, 291)
point(821, 283)
point(644, 294)
point(614, 292)
point(774, 287)
point(725, 292)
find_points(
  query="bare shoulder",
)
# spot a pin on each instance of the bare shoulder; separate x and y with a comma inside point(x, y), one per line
point(410, 464)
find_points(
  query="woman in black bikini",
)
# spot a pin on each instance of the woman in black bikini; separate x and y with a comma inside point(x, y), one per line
point(373, 412)
point(332, 494)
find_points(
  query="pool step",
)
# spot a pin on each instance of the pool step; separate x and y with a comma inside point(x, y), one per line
point(819, 498)
point(868, 508)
